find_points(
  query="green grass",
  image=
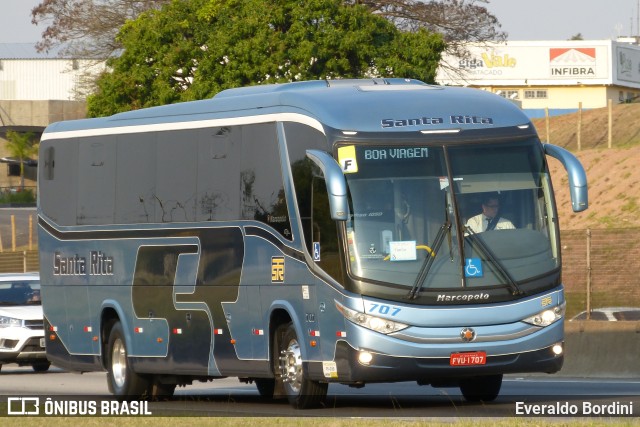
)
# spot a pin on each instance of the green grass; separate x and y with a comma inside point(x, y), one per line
point(25, 196)
point(314, 422)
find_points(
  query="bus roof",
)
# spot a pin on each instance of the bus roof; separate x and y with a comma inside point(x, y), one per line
point(373, 105)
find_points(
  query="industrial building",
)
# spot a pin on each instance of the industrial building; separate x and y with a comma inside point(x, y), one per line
point(554, 77)
point(36, 89)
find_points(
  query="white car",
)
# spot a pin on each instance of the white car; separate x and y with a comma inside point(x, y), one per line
point(21, 321)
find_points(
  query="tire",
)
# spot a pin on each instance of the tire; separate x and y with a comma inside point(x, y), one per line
point(481, 389)
point(122, 380)
point(41, 366)
point(159, 391)
point(301, 392)
point(266, 387)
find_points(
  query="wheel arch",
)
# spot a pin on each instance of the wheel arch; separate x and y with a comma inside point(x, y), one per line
point(111, 313)
point(280, 313)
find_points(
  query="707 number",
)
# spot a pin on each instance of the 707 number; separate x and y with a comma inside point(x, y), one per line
point(384, 309)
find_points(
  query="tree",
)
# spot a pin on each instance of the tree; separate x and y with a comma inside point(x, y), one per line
point(21, 146)
point(194, 49)
point(459, 21)
point(86, 28)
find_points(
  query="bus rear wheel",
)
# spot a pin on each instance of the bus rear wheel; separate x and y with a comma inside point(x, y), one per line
point(481, 389)
point(41, 366)
point(122, 380)
point(301, 392)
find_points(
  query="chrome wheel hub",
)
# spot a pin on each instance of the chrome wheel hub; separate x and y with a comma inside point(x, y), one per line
point(291, 365)
point(119, 363)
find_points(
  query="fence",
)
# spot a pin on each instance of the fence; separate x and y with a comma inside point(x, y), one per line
point(601, 266)
point(18, 240)
point(612, 126)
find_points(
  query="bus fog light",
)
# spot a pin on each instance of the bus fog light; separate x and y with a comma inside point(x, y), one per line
point(365, 358)
point(557, 349)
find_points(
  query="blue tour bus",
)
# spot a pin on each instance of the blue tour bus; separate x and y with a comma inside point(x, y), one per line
point(303, 234)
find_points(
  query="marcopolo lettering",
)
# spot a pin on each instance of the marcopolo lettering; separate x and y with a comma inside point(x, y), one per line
point(462, 297)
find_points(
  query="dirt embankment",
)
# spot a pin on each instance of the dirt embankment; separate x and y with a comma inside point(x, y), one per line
point(613, 173)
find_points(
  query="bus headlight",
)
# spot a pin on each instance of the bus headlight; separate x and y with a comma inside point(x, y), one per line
point(378, 324)
point(548, 316)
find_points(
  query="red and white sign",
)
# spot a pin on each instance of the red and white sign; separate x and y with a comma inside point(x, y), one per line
point(574, 62)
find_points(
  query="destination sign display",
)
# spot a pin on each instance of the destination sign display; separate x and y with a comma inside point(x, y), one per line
point(349, 156)
point(396, 153)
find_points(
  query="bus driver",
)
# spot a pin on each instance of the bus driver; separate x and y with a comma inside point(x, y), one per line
point(489, 218)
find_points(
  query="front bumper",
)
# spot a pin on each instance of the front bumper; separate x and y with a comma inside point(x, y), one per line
point(22, 350)
point(385, 368)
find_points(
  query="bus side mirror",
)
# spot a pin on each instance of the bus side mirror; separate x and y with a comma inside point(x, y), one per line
point(336, 183)
point(577, 176)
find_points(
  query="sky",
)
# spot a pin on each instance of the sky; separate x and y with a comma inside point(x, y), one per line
point(522, 20)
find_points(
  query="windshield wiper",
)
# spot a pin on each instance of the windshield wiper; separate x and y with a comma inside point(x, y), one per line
point(488, 254)
point(428, 262)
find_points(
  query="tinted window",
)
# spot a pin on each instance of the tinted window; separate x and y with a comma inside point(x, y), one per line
point(208, 174)
point(301, 138)
point(262, 195)
point(58, 195)
point(176, 159)
point(19, 293)
point(136, 179)
point(218, 165)
point(96, 180)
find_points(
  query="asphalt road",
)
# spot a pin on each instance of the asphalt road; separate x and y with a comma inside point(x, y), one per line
point(229, 397)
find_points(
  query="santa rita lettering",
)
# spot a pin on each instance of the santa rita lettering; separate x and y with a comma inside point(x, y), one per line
point(456, 119)
point(99, 264)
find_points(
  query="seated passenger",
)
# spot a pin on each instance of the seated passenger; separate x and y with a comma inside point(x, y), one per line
point(489, 218)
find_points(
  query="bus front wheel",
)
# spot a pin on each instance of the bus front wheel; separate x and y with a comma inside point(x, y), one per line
point(485, 388)
point(301, 392)
point(123, 381)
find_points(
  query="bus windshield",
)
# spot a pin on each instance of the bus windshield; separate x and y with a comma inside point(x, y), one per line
point(475, 216)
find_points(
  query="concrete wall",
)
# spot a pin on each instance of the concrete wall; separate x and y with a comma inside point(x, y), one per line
point(39, 113)
point(597, 349)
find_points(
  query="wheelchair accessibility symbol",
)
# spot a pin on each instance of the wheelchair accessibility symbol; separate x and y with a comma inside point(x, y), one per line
point(473, 267)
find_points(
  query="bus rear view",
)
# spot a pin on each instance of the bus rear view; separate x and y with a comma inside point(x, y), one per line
point(297, 235)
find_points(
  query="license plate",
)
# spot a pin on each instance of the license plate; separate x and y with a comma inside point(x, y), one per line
point(468, 358)
point(42, 342)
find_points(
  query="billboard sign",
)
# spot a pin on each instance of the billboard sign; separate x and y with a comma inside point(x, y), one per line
point(531, 63)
